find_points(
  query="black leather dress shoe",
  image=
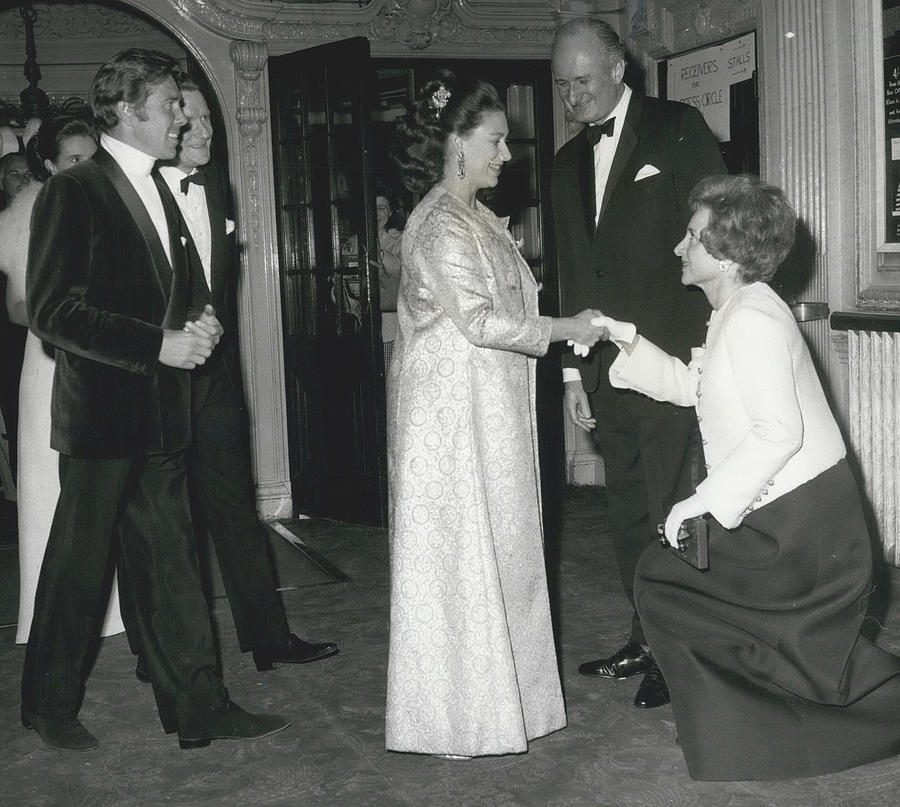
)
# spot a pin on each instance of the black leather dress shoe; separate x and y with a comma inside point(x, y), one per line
point(629, 660)
point(299, 652)
point(141, 672)
point(653, 691)
point(227, 721)
point(62, 733)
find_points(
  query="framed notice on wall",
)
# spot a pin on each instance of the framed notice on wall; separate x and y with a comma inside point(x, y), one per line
point(892, 145)
point(720, 80)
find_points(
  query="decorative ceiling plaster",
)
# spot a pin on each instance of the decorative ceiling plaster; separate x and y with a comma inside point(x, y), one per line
point(674, 26)
point(75, 21)
point(417, 24)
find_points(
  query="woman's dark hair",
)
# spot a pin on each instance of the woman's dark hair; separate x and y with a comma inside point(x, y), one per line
point(750, 223)
point(397, 218)
point(445, 105)
point(128, 76)
point(47, 142)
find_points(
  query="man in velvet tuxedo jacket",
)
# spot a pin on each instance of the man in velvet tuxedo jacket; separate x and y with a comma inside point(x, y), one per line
point(620, 205)
point(219, 457)
point(107, 287)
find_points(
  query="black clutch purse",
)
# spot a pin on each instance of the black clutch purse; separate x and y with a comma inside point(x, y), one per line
point(693, 542)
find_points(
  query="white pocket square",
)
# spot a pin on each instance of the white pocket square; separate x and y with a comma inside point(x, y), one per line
point(229, 226)
point(183, 241)
point(647, 171)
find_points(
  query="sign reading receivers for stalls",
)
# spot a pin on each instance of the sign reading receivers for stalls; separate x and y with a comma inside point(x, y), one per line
point(703, 78)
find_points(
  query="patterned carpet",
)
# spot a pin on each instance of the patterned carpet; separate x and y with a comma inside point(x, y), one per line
point(611, 754)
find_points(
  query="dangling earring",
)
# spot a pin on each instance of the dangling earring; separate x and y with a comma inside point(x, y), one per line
point(460, 164)
point(723, 266)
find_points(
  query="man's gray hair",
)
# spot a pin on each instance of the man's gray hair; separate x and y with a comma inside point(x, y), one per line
point(611, 45)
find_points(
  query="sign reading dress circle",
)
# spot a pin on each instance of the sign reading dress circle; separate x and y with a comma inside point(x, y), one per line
point(702, 78)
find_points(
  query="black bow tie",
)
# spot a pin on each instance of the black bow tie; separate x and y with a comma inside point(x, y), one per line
point(196, 178)
point(596, 130)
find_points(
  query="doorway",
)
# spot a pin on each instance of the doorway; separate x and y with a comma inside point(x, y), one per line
point(334, 112)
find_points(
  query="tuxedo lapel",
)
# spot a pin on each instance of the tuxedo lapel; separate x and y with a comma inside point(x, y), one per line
point(178, 237)
point(215, 208)
point(135, 207)
point(627, 141)
point(586, 182)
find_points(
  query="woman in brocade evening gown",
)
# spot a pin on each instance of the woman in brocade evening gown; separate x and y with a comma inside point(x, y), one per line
point(769, 676)
point(59, 144)
point(472, 667)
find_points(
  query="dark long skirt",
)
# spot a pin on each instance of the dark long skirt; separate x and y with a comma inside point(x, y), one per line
point(769, 676)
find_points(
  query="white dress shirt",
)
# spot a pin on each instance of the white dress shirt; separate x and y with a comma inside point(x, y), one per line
point(196, 214)
point(605, 150)
point(136, 165)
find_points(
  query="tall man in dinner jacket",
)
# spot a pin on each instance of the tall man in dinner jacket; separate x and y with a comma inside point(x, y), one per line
point(219, 457)
point(620, 205)
point(107, 286)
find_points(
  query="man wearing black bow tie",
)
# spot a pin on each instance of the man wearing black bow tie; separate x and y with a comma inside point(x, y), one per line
point(107, 287)
point(219, 458)
point(620, 204)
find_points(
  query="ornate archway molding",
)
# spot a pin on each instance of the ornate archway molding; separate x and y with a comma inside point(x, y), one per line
point(394, 27)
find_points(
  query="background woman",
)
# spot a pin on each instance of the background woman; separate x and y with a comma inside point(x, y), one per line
point(768, 674)
point(472, 666)
point(390, 224)
point(59, 144)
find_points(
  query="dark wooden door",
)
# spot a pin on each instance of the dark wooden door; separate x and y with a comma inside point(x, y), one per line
point(333, 355)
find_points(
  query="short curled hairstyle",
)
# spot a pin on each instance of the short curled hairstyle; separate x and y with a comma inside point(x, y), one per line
point(750, 223)
point(49, 139)
point(418, 149)
point(128, 76)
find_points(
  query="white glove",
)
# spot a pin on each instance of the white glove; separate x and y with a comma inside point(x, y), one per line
point(619, 332)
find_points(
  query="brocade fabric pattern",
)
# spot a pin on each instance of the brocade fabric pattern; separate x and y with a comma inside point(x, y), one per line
point(472, 667)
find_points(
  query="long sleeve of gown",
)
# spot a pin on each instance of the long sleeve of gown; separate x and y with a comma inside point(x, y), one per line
point(471, 279)
point(15, 223)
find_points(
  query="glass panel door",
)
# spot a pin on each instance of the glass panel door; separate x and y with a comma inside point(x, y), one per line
point(333, 356)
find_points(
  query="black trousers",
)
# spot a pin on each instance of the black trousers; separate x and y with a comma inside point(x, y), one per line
point(221, 481)
point(645, 446)
point(137, 507)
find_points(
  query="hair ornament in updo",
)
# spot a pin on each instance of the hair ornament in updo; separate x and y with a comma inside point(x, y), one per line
point(439, 99)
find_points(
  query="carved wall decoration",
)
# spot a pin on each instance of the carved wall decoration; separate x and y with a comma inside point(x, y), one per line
point(419, 20)
point(249, 60)
point(74, 21)
point(412, 25)
point(674, 26)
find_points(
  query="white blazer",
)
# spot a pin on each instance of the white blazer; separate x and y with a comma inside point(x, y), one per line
point(763, 416)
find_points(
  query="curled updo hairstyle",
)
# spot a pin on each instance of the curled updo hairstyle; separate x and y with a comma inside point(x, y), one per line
point(47, 142)
point(421, 135)
point(750, 223)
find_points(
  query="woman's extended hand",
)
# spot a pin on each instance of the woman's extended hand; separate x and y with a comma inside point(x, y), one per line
point(687, 508)
point(584, 332)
